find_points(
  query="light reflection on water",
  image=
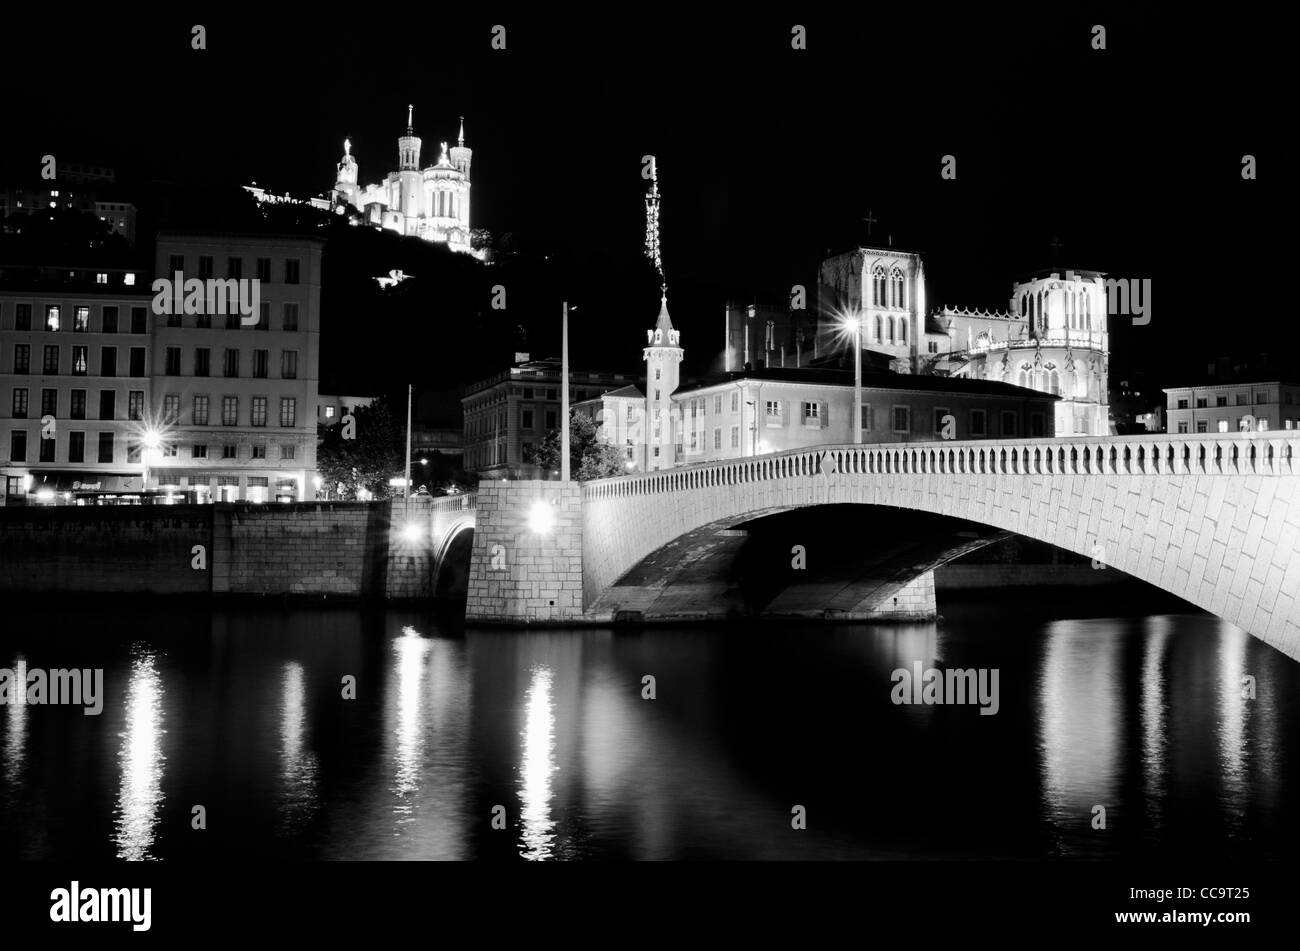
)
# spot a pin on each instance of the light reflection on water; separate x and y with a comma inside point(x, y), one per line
point(1144, 716)
point(141, 759)
point(536, 767)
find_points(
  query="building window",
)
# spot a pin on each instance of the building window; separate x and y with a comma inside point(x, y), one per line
point(1243, 399)
point(264, 270)
point(139, 320)
point(289, 365)
point(170, 450)
point(291, 267)
point(135, 405)
point(288, 412)
point(258, 417)
point(108, 404)
point(175, 262)
point(656, 452)
point(1220, 401)
point(939, 413)
point(229, 410)
point(199, 451)
point(288, 452)
point(52, 317)
point(19, 403)
point(202, 361)
point(773, 412)
point(200, 411)
point(978, 424)
point(552, 417)
point(717, 438)
point(1182, 404)
point(1202, 402)
point(735, 437)
point(76, 447)
point(902, 419)
point(229, 452)
point(528, 419)
point(49, 402)
point(23, 317)
point(80, 360)
point(171, 408)
point(51, 364)
point(45, 452)
point(106, 447)
point(108, 361)
point(868, 417)
point(108, 320)
point(811, 414)
point(235, 268)
point(22, 358)
point(528, 392)
point(137, 362)
point(230, 365)
point(1008, 423)
point(259, 451)
point(205, 267)
point(290, 317)
point(261, 361)
point(172, 362)
point(78, 408)
point(80, 319)
point(18, 446)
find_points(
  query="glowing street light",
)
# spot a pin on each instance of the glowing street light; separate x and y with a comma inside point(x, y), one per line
point(541, 517)
point(852, 323)
point(411, 532)
point(150, 442)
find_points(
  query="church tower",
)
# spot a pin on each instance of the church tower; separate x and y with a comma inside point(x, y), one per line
point(345, 183)
point(461, 156)
point(662, 354)
point(409, 180)
point(663, 359)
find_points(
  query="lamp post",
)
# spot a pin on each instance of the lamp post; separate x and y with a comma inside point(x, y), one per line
point(854, 323)
point(406, 489)
point(564, 396)
point(149, 444)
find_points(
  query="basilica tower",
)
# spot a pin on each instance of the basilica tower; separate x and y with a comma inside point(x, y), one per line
point(345, 182)
point(409, 184)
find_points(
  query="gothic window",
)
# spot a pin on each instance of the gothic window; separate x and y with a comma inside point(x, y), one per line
point(902, 330)
point(880, 329)
point(1022, 379)
point(878, 286)
point(891, 329)
point(1055, 384)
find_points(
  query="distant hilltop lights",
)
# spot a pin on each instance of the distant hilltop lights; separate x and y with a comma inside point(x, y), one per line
point(432, 203)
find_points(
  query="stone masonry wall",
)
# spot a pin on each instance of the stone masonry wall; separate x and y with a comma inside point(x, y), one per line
point(518, 574)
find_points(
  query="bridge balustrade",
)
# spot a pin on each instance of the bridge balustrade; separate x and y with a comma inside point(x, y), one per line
point(1169, 455)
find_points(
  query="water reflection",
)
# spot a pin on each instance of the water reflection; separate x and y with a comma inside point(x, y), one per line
point(16, 724)
point(537, 767)
point(141, 759)
point(1233, 714)
point(411, 650)
point(1155, 717)
point(297, 763)
point(1080, 726)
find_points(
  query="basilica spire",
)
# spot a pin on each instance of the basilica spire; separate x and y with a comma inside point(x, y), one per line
point(460, 140)
point(410, 114)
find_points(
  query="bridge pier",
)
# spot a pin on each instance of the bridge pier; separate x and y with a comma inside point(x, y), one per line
point(526, 561)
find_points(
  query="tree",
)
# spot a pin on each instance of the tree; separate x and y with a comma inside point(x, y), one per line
point(375, 454)
point(591, 456)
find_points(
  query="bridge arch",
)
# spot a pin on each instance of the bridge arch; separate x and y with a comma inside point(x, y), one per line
point(1224, 536)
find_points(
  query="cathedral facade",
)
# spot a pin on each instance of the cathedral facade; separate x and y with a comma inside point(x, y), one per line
point(432, 203)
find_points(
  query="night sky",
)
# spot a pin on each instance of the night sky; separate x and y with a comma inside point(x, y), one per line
point(768, 157)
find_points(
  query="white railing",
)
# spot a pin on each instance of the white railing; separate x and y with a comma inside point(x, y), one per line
point(460, 502)
point(1155, 454)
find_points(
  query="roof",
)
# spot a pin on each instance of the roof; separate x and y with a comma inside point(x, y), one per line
point(875, 381)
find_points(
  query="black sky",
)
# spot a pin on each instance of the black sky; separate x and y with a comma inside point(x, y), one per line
point(768, 157)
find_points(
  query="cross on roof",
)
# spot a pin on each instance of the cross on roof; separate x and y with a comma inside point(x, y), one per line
point(870, 220)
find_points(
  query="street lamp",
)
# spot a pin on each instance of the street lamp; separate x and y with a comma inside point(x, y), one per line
point(149, 447)
point(853, 323)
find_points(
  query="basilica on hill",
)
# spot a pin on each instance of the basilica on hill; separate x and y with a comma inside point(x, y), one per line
point(432, 203)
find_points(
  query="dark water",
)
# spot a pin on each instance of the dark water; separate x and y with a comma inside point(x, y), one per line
point(240, 710)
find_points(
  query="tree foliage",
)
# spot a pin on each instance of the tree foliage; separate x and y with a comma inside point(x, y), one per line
point(591, 456)
point(369, 460)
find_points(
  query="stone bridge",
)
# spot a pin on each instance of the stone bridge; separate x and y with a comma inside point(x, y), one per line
point(1213, 519)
